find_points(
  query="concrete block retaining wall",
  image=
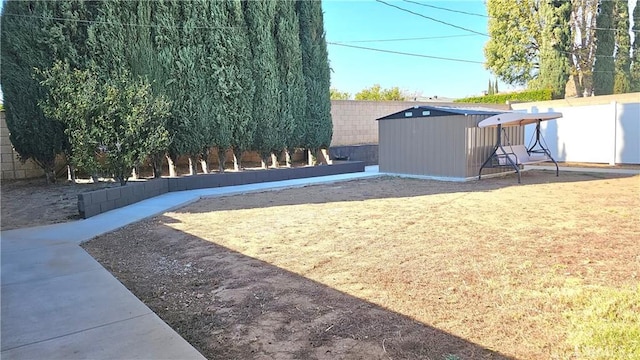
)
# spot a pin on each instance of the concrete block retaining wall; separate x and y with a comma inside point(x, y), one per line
point(367, 153)
point(96, 202)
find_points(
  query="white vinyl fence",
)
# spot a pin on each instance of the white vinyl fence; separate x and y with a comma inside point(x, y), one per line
point(601, 129)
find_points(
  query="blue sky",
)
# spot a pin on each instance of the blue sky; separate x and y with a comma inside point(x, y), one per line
point(358, 20)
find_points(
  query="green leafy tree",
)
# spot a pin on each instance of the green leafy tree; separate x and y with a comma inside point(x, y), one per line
point(315, 67)
point(292, 86)
point(495, 87)
point(339, 95)
point(622, 60)
point(194, 71)
point(119, 25)
point(112, 124)
point(71, 101)
point(217, 64)
point(490, 90)
point(32, 39)
point(178, 78)
point(555, 48)
point(260, 18)
point(635, 51)
point(109, 40)
point(204, 53)
point(132, 126)
point(583, 54)
point(241, 90)
point(166, 40)
point(515, 30)
point(376, 93)
point(604, 66)
point(525, 34)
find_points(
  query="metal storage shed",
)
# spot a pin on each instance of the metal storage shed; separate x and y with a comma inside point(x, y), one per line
point(439, 142)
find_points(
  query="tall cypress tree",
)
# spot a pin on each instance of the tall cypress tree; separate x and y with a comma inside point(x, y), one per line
point(32, 38)
point(242, 89)
point(555, 48)
point(260, 16)
point(315, 67)
point(165, 37)
point(119, 25)
point(622, 60)
point(604, 67)
point(193, 69)
point(177, 67)
point(292, 89)
point(109, 37)
point(635, 51)
point(230, 79)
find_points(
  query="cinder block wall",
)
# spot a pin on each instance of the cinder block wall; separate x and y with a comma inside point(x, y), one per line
point(354, 122)
point(12, 167)
point(95, 202)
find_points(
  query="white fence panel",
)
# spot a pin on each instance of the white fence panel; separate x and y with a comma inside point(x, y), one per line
point(583, 134)
point(628, 133)
point(603, 132)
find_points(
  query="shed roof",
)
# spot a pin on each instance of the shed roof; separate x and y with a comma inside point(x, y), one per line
point(433, 111)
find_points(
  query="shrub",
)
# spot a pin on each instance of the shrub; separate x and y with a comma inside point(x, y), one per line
point(522, 96)
point(112, 124)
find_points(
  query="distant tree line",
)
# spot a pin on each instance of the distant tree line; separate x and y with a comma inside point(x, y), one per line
point(112, 84)
point(546, 44)
point(373, 93)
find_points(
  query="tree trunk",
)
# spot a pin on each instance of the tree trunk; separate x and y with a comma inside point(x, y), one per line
point(135, 172)
point(325, 157)
point(264, 160)
point(122, 179)
point(71, 174)
point(204, 161)
point(237, 160)
point(274, 160)
point(312, 160)
point(171, 161)
point(288, 155)
point(204, 165)
point(222, 159)
point(193, 165)
point(50, 176)
point(156, 164)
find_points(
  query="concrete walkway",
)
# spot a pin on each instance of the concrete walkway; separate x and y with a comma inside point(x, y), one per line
point(585, 169)
point(59, 303)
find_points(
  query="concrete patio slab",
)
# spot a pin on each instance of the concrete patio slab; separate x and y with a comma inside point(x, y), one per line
point(44, 263)
point(119, 340)
point(40, 310)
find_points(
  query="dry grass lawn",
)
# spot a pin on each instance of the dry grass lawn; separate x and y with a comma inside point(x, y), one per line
point(506, 268)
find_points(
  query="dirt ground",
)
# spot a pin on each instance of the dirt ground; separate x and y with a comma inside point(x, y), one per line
point(33, 202)
point(385, 268)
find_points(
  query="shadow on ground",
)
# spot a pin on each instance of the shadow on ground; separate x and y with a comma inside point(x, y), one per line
point(229, 305)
